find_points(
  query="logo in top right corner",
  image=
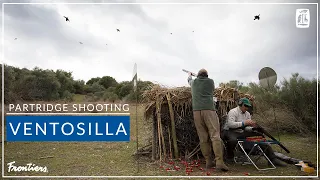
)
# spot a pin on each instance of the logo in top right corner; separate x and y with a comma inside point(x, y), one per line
point(302, 18)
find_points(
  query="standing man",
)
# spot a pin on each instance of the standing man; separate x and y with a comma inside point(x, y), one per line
point(239, 126)
point(206, 119)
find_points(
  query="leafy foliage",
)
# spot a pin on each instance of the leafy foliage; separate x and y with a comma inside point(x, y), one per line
point(48, 85)
point(293, 103)
point(300, 96)
point(294, 99)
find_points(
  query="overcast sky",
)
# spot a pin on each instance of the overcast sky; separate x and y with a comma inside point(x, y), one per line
point(226, 40)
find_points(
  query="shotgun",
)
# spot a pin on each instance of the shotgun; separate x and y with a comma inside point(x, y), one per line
point(263, 131)
point(192, 74)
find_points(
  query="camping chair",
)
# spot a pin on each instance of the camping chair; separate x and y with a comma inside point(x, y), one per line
point(249, 151)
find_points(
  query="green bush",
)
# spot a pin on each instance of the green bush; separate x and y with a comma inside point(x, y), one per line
point(297, 97)
point(300, 96)
point(99, 94)
point(68, 96)
point(96, 87)
point(294, 100)
point(110, 96)
point(79, 87)
point(107, 81)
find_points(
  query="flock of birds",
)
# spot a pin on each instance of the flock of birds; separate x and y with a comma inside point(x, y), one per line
point(67, 19)
point(257, 17)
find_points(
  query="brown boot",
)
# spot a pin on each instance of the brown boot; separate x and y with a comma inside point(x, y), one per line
point(218, 151)
point(206, 152)
point(209, 163)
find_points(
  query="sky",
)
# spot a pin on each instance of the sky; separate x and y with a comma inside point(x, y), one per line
point(223, 39)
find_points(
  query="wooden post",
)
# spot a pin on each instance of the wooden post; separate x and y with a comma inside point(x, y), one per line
point(173, 128)
point(162, 138)
point(170, 144)
point(154, 138)
point(159, 123)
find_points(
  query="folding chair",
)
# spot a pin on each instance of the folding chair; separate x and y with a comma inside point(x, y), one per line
point(253, 153)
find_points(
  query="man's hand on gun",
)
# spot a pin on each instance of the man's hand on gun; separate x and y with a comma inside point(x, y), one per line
point(249, 122)
point(253, 124)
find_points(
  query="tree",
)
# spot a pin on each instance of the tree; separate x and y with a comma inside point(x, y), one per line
point(9, 78)
point(79, 86)
point(299, 94)
point(234, 84)
point(107, 81)
point(125, 90)
point(110, 96)
point(112, 89)
point(66, 81)
point(93, 80)
point(96, 87)
point(41, 85)
point(142, 86)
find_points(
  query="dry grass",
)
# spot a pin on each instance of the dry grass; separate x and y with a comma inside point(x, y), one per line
point(181, 98)
point(115, 159)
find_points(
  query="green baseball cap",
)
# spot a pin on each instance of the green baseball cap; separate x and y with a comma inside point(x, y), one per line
point(245, 101)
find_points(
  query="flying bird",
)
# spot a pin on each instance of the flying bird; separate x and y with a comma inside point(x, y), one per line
point(15, 38)
point(118, 30)
point(67, 19)
point(192, 31)
point(80, 42)
point(257, 17)
point(170, 33)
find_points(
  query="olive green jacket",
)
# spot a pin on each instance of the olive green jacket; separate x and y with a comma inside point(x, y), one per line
point(202, 93)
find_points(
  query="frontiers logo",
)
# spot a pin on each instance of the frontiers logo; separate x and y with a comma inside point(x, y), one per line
point(302, 18)
point(27, 168)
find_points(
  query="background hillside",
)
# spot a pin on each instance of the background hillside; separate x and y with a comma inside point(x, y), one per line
point(294, 100)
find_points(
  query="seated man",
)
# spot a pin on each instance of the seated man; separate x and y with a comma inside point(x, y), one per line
point(239, 126)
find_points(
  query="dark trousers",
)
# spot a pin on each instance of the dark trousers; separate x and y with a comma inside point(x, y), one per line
point(231, 138)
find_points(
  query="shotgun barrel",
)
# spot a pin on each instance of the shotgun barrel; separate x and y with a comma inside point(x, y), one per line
point(270, 136)
point(193, 74)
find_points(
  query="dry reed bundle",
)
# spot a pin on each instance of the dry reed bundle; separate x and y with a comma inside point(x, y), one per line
point(170, 110)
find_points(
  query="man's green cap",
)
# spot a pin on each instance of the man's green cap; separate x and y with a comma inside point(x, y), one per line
point(245, 101)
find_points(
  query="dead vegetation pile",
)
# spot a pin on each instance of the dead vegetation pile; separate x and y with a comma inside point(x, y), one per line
point(170, 112)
